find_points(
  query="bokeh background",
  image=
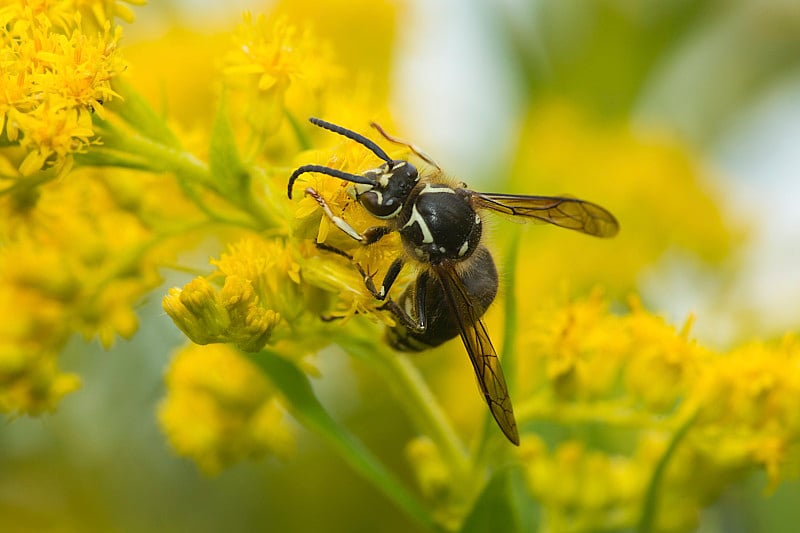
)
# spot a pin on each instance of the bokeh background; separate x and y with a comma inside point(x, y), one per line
point(500, 93)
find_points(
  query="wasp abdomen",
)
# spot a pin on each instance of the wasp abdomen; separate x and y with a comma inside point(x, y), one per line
point(479, 281)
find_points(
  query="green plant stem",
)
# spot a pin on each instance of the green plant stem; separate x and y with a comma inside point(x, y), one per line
point(154, 156)
point(420, 398)
point(305, 406)
point(650, 507)
point(163, 158)
point(415, 396)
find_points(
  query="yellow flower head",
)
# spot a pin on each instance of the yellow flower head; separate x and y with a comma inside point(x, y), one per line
point(269, 57)
point(56, 73)
point(32, 331)
point(747, 411)
point(582, 489)
point(277, 53)
point(220, 409)
point(76, 261)
point(231, 315)
point(435, 480)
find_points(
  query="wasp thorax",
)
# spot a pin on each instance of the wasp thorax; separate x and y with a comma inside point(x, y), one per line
point(441, 225)
point(392, 183)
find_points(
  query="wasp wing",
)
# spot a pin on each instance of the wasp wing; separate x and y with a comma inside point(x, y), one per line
point(481, 352)
point(562, 211)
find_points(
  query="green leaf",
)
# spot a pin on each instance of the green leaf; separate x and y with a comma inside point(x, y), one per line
point(223, 157)
point(105, 157)
point(139, 115)
point(304, 405)
point(504, 505)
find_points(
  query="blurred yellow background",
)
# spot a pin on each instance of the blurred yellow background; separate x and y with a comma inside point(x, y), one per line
point(680, 116)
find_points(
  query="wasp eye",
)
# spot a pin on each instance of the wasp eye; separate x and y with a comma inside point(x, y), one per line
point(379, 205)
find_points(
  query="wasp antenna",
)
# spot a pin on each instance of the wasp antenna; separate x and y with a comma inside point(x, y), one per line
point(357, 137)
point(391, 138)
point(346, 176)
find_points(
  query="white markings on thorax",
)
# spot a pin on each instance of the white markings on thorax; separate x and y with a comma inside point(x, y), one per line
point(427, 236)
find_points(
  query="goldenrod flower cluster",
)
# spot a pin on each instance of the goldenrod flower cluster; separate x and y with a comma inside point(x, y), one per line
point(59, 59)
point(72, 257)
point(234, 412)
point(724, 413)
point(625, 420)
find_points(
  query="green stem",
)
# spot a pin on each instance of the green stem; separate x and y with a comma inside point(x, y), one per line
point(305, 406)
point(302, 138)
point(650, 507)
point(417, 399)
point(163, 158)
point(420, 398)
point(147, 154)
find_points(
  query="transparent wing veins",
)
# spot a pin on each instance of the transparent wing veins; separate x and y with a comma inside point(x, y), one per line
point(562, 211)
point(484, 359)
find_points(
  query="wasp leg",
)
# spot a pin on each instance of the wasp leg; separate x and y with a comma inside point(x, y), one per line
point(420, 323)
point(371, 235)
point(375, 233)
point(388, 279)
point(333, 249)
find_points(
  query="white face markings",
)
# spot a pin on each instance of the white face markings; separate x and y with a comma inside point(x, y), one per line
point(361, 188)
point(383, 180)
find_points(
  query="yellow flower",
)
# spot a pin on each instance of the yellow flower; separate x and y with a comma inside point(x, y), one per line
point(77, 255)
point(220, 409)
point(55, 75)
point(435, 480)
point(636, 375)
point(347, 25)
point(747, 400)
point(269, 56)
point(277, 52)
point(32, 331)
point(582, 489)
point(230, 315)
point(270, 293)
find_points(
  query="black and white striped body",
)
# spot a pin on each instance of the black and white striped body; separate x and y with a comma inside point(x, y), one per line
point(441, 232)
point(439, 224)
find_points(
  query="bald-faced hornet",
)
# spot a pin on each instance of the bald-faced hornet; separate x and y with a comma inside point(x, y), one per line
point(440, 227)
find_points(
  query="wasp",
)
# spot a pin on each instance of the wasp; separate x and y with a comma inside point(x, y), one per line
point(441, 229)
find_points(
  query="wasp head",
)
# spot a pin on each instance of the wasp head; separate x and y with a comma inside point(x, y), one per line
point(389, 187)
